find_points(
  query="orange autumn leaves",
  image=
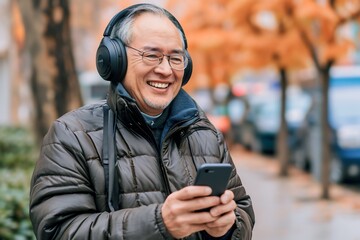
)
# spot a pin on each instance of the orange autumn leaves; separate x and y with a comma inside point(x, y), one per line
point(232, 34)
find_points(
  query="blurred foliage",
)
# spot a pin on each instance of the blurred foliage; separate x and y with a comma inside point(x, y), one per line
point(14, 205)
point(17, 148)
point(17, 158)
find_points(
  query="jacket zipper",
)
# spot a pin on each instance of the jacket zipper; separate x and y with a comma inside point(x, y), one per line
point(149, 136)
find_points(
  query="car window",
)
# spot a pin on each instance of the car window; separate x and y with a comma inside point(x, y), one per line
point(341, 105)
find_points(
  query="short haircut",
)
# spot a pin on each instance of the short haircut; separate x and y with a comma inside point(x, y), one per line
point(123, 29)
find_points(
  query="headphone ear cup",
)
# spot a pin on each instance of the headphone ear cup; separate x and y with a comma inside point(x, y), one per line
point(188, 69)
point(111, 59)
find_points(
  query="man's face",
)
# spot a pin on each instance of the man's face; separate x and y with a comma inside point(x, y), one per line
point(153, 87)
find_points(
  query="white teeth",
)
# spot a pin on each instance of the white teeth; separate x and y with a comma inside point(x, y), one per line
point(159, 85)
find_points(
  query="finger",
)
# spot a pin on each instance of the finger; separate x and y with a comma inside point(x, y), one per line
point(173, 206)
point(225, 220)
point(190, 192)
point(181, 223)
point(196, 218)
point(227, 196)
point(201, 203)
point(223, 209)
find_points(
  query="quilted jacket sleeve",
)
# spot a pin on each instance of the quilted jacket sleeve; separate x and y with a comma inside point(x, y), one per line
point(62, 198)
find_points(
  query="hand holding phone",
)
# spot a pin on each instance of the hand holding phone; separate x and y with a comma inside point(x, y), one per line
point(214, 175)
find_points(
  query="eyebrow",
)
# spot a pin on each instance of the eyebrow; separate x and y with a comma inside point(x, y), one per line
point(178, 51)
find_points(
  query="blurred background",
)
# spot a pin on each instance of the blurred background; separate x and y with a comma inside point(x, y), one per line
point(279, 78)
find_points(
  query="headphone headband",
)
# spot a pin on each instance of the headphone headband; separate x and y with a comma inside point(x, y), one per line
point(129, 10)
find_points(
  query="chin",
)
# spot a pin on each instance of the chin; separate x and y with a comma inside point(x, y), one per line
point(156, 105)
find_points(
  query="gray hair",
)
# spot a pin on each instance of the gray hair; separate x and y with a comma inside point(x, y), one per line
point(123, 29)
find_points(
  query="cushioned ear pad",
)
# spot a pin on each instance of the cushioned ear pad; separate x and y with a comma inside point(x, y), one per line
point(111, 59)
point(188, 69)
point(103, 59)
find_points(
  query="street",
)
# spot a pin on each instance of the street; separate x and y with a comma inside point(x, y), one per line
point(290, 208)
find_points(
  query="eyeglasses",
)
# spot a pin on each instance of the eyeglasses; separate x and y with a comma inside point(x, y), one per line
point(177, 61)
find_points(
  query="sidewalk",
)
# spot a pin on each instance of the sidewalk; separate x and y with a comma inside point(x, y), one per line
point(290, 208)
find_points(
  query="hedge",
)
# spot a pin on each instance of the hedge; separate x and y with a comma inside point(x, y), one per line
point(17, 159)
point(17, 148)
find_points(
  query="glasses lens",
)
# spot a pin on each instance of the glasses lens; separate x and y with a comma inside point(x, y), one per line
point(176, 61)
point(152, 57)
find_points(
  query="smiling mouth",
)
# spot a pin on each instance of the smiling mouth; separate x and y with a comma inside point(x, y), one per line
point(159, 85)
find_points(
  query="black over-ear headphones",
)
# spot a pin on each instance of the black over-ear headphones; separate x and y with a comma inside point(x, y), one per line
point(111, 59)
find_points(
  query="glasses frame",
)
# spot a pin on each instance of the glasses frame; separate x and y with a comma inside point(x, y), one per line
point(168, 56)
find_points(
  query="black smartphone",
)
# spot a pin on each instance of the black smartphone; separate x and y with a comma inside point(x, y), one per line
point(214, 175)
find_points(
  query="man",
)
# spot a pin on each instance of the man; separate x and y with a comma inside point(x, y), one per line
point(160, 138)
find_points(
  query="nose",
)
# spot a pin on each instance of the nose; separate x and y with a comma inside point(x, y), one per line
point(164, 66)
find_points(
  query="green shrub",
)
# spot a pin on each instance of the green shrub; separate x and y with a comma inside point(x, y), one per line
point(17, 148)
point(17, 159)
point(14, 205)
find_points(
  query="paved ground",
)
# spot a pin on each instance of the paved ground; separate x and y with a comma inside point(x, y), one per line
point(290, 208)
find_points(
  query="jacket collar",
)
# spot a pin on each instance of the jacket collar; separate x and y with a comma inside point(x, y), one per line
point(181, 109)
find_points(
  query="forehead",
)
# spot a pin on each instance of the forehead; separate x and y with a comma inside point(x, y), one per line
point(154, 28)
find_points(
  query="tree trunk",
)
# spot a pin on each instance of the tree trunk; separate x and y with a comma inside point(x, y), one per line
point(325, 136)
point(53, 78)
point(282, 141)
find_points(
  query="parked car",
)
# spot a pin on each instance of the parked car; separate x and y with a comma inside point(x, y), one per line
point(262, 124)
point(248, 133)
point(344, 127)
